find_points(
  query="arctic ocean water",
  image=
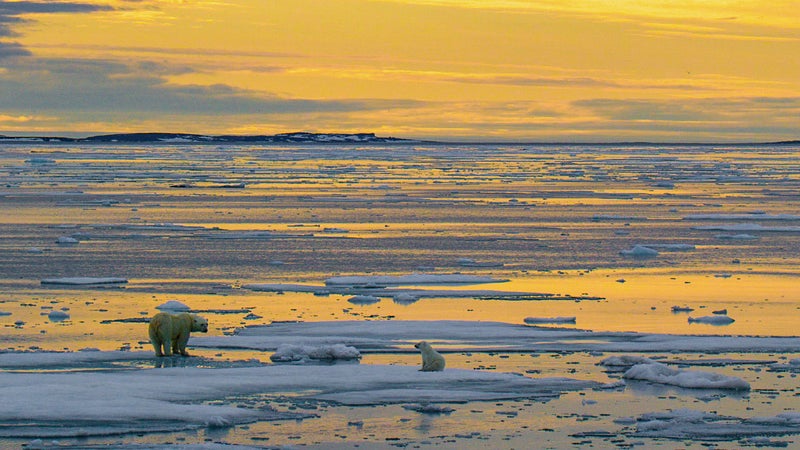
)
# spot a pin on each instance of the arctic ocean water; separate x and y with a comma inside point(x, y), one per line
point(634, 242)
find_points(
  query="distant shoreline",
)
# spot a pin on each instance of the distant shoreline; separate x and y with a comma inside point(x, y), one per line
point(318, 138)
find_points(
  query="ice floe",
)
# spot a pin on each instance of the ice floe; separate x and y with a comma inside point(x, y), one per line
point(115, 402)
point(699, 425)
point(84, 281)
point(712, 320)
point(744, 216)
point(689, 379)
point(410, 280)
point(746, 227)
point(639, 251)
point(379, 336)
point(546, 320)
point(304, 353)
point(173, 306)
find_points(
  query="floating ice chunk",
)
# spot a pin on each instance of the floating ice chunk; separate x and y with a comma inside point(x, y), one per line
point(405, 298)
point(428, 408)
point(741, 237)
point(682, 309)
point(81, 281)
point(5, 313)
point(173, 305)
point(295, 353)
point(722, 275)
point(66, 240)
point(712, 320)
point(57, 316)
point(34, 250)
point(412, 279)
point(544, 320)
point(639, 251)
point(660, 373)
point(756, 215)
point(334, 230)
point(363, 299)
point(625, 361)
point(671, 247)
point(599, 217)
point(744, 227)
point(469, 262)
point(698, 425)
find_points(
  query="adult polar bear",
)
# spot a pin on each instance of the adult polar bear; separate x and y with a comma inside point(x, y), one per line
point(171, 331)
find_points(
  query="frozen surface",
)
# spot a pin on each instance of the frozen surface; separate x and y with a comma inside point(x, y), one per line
point(369, 336)
point(80, 281)
point(87, 403)
point(660, 373)
point(303, 353)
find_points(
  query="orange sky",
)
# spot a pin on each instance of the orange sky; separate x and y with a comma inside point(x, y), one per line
point(539, 70)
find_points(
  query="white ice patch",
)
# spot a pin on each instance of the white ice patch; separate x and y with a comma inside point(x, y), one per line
point(409, 280)
point(746, 227)
point(697, 425)
point(173, 306)
point(660, 373)
point(370, 336)
point(639, 251)
point(304, 353)
point(546, 320)
point(84, 281)
point(712, 320)
point(92, 403)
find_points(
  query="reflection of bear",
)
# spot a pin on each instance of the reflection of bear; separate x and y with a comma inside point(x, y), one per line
point(172, 332)
point(432, 361)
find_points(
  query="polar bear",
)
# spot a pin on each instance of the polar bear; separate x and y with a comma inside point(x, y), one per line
point(172, 332)
point(432, 361)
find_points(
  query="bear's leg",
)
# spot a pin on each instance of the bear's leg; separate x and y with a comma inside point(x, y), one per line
point(181, 345)
point(157, 347)
point(167, 347)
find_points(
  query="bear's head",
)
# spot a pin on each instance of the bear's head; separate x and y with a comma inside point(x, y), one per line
point(422, 345)
point(199, 324)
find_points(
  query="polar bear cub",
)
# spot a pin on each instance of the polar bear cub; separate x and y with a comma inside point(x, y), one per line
point(171, 332)
point(432, 361)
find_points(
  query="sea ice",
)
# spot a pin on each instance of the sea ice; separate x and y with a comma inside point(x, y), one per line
point(660, 373)
point(712, 320)
point(545, 320)
point(409, 280)
point(66, 240)
point(115, 402)
point(364, 299)
point(173, 306)
point(699, 425)
point(57, 316)
point(639, 251)
point(81, 281)
point(303, 353)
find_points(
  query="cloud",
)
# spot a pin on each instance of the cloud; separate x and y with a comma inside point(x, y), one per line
point(94, 89)
point(10, 13)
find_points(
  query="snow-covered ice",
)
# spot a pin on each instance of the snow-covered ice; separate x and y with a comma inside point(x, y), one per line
point(546, 320)
point(303, 353)
point(639, 251)
point(87, 403)
point(712, 320)
point(84, 281)
point(173, 306)
point(660, 373)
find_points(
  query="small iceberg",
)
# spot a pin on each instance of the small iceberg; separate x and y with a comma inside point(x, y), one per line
point(304, 353)
point(84, 281)
point(58, 316)
point(549, 320)
point(173, 306)
point(66, 240)
point(363, 299)
point(661, 374)
point(712, 320)
point(639, 251)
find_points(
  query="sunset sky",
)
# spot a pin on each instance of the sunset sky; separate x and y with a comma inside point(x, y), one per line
point(532, 70)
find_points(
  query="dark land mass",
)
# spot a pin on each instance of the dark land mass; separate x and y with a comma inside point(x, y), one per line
point(184, 138)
